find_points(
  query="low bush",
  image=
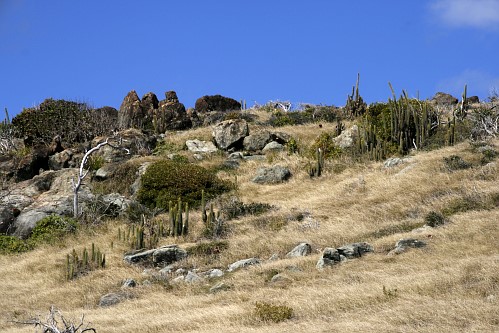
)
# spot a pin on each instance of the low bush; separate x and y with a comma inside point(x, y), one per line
point(52, 228)
point(165, 181)
point(12, 244)
point(272, 313)
point(454, 163)
point(434, 219)
point(208, 248)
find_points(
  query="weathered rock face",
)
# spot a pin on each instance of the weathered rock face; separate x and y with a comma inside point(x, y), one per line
point(271, 175)
point(197, 146)
point(131, 114)
point(29, 166)
point(257, 141)
point(347, 138)
point(132, 139)
point(162, 256)
point(230, 133)
point(216, 103)
point(149, 102)
point(444, 99)
point(170, 115)
point(272, 146)
point(332, 256)
point(60, 160)
point(301, 250)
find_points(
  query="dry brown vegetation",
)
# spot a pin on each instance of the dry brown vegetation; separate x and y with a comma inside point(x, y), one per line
point(452, 285)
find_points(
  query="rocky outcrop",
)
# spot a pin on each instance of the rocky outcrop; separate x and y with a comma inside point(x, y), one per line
point(132, 139)
point(405, 244)
point(331, 256)
point(216, 103)
point(257, 141)
point(271, 175)
point(243, 263)
point(170, 115)
point(300, 250)
point(130, 114)
point(162, 256)
point(230, 134)
point(347, 138)
point(441, 98)
point(200, 147)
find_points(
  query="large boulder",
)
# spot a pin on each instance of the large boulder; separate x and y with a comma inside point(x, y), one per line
point(257, 141)
point(271, 175)
point(230, 133)
point(300, 250)
point(130, 113)
point(347, 138)
point(197, 146)
point(132, 139)
point(60, 160)
point(355, 250)
point(216, 103)
point(441, 98)
point(168, 254)
point(170, 114)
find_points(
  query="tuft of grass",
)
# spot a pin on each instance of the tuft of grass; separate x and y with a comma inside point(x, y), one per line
point(208, 248)
point(268, 312)
point(434, 219)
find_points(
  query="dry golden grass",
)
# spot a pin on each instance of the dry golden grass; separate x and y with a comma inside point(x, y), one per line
point(452, 285)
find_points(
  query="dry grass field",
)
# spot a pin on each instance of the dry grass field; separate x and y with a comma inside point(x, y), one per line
point(451, 285)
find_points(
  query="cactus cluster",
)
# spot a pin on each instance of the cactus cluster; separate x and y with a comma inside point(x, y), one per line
point(77, 265)
point(355, 104)
point(145, 234)
point(179, 218)
point(213, 226)
point(316, 169)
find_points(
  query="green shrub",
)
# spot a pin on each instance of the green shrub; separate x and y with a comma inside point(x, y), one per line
point(12, 244)
point(121, 181)
point(166, 181)
point(454, 162)
point(75, 122)
point(272, 313)
point(52, 228)
point(434, 219)
point(464, 204)
point(326, 143)
point(233, 208)
point(208, 248)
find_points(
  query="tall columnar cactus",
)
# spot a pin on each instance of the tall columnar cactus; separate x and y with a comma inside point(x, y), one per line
point(316, 169)
point(203, 207)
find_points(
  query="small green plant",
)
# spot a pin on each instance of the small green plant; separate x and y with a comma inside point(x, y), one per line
point(95, 162)
point(52, 228)
point(208, 248)
point(268, 312)
point(455, 162)
point(292, 146)
point(434, 219)
point(12, 245)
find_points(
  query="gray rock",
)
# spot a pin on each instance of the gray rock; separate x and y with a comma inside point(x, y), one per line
point(444, 99)
point(129, 283)
point(213, 273)
point(355, 250)
point(257, 158)
point(106, 171)
point(166, 270)
point(139, 256)
point(197, 146)
point(243, 263)
point(330, 257)
point(301, 250)
point(257, 141)
point(271, 175)
point(60, 160)
point(230, 133)
point(25, 223)
point(115, 204)
point(272, 146)
point(347, 138)
point(192, 277)
point(406, 243)
point(134, 188)
point(168, 254)
point(220, 286)
point(113, 299)
point(281, 279)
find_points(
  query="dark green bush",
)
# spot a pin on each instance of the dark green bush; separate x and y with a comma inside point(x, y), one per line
point(208, 248)
point(455, 162)
point(52, 228)
point(166, 181)
point(121, 181)
point(233, 208)
point(74, 122)
point(272, 313)
point(434, 219)
point(326, 143)
point(11, 244)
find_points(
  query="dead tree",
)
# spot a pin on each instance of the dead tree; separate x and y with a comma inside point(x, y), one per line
point(82, 172)
point(56, 323)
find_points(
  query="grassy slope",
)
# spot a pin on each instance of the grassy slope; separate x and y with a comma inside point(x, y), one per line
point(451, 285)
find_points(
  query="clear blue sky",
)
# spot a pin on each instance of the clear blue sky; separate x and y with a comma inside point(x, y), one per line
point(258, 50)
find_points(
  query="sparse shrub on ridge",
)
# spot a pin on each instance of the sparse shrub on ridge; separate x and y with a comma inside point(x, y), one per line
point(166, 181)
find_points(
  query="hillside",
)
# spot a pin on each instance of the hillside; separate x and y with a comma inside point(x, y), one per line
point(450, 284)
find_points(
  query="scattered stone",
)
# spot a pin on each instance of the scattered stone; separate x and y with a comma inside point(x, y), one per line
point(197, 146)
point(355, 250)
point(271, 175)
point(272, 146)
point(213, 273)
point(301, 250)
point(129, 283)
point(113, 299)
point(139, 256)
point(280, 280)
point(168, 254)
point(166, 270)
point(192, 277)
point(257, 141)
point(243, 263)
point(274, 257)
point(220, 286)
point(406, 243)
point(347, 138)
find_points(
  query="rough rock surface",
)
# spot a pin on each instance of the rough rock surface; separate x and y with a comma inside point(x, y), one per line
point(444, 99)
point(271, 175)
point(301, 250)
point(243, 263)
point(216, 103)
point(230, 133)
point(197, 146)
